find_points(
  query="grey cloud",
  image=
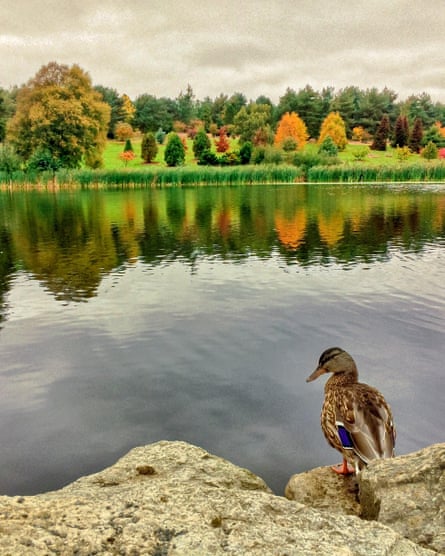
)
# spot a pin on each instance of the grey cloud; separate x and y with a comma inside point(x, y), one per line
point(255, 47)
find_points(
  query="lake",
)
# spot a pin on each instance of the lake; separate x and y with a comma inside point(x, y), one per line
point(196, 314)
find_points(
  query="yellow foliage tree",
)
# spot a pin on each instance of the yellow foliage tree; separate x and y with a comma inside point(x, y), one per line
point(334, 127)
point(291, 126)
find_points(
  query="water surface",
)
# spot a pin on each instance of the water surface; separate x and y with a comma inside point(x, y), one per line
point(128, 317)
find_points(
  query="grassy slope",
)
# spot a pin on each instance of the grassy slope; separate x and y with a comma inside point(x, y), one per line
point(374, 158)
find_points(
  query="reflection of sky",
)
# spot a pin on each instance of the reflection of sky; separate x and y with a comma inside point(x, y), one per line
point(216, 357)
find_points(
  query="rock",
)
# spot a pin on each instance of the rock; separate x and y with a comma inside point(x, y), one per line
point(323, 489)
point(407, 493)
point(171, 498)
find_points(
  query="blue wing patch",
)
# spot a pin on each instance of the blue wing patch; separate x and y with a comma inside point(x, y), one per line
point(345, 437)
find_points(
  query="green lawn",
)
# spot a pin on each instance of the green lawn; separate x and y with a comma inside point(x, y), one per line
point(373, 158)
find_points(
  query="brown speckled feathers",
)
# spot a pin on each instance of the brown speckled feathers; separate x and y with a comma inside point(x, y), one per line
point(359, 409)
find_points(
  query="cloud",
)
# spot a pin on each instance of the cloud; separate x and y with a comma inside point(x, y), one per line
point(255, 47)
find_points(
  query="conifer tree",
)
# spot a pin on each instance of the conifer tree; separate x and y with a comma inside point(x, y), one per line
point(334, 126)
point(415, 141)
point(174, 154)
point(291, 126)
point(401, 132)
point(149, 148)
point(201, 143)
point(382, 135)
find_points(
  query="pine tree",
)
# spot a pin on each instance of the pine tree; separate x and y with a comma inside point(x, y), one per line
point(382, 135)
point(415, 140)
point(201, 143)
point(128, 146)
point(149, 148)
point(401, 132)
point(334, 126)
point(174, 154)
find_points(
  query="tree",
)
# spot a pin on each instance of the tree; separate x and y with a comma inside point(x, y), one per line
point(401, 132)
point(128, 108)
point(222, 143)
point(128, 146)
point(201, 143)
point(334, 126)
point(174, 154)
point(153, 113)
point(123, 131)
point(251, 118)
point(186, 105)
point(382, 135)
point(9, 161)
point(245, 153)
point(59, 111)
point(127, 156)
point(115, 102)
point(308, 103)
point(415, 141)
point(149, 148)
point(291, 126)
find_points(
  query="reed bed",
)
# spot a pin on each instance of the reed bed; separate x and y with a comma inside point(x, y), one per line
point(427, 172)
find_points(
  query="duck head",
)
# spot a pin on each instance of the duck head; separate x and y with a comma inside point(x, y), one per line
point(334, 360)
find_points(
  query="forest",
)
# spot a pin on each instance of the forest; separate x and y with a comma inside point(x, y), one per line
point(59, 119)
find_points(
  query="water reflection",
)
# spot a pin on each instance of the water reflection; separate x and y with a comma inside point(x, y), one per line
point(69, 241)
point(196, 314)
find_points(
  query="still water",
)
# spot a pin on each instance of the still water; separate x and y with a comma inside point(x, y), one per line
point(128, 317)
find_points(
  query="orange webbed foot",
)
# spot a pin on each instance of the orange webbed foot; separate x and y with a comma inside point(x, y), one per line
point(343, 468)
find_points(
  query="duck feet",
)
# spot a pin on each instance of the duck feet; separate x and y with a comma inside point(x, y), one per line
point(343, 468)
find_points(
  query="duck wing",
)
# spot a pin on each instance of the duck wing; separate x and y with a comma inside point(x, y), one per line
point(365, 424)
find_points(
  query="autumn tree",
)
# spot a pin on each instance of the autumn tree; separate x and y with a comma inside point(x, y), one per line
point(115, 102)
point(291, 126)
point(382, 135)
point(401, 132)
point(59, 112)
point(334, 126)
point(415, 140)
point(149, 148)
point(128, 108)
point(222, 143)
point(123, 131)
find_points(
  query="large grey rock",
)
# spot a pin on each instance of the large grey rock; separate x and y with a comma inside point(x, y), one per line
point(407, 493)
point(172, 498)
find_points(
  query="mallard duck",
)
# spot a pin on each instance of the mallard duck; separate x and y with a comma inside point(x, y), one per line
point(355, 418)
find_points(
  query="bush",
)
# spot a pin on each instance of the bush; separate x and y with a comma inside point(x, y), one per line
point(360, 153)
point(149, 148)
point(230, 159)
point(328, 147)
point(403, 153)
point(430, 152)
point(174, 154)
point(208, 158)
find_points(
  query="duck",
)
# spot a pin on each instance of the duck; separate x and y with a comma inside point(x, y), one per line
point(355, 418)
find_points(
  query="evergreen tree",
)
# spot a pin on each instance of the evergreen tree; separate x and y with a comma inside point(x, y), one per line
point(401, 132)
point(149, 148)
point(415, 141)
point(430, 152)
point(174, 154)
point(128, 146)
point(201, 143)
point(382, 135)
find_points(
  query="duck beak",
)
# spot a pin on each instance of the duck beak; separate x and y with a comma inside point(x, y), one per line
point(318, 372)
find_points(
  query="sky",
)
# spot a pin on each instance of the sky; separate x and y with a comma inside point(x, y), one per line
point(256, 47)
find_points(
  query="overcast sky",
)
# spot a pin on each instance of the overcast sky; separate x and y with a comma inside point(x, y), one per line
point(251, 46)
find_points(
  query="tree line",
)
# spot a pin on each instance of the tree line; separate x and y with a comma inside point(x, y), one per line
point(60, 119)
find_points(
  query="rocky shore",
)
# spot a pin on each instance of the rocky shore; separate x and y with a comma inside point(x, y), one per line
point(172, 498)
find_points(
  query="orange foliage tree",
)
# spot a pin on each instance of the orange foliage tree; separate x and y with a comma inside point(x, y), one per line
point(334, 126)
point(291, 126)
